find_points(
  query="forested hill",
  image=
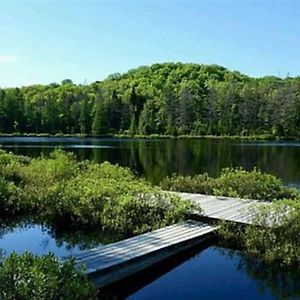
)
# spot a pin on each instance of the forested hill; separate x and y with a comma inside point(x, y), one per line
point(167, 99)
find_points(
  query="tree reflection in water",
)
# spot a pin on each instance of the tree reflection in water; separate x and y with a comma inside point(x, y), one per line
point(282, 281)
point(45, 234)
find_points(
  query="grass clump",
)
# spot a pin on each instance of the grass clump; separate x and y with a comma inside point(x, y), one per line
point(30, 277)
point(233, 183)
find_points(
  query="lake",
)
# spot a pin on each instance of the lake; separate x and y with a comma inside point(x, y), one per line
point(156, 158)
point(212, 272)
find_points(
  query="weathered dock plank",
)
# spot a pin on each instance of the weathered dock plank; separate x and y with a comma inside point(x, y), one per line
point(225, 208)
point(107, 264)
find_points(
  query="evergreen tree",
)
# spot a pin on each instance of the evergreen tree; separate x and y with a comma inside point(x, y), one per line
point(170, 98)
point(100, 120)
point(85, 116)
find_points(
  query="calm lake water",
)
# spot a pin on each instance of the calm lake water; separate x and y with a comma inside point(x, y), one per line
point(155, 159)
point(210, 273)
point(217, 273)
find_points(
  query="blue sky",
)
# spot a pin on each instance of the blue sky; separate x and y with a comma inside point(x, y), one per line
point(43, 41)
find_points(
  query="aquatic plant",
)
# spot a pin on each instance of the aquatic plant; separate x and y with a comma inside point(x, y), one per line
point(68, 193)
point(273, 236)
point(30, 277)
point(233, 183)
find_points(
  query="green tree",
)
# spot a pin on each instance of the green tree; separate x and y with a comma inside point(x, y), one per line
point(100, 120)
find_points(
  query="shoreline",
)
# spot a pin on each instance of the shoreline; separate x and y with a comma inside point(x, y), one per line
point(260, 137)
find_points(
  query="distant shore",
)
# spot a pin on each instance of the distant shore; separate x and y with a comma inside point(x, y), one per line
point(259, 137)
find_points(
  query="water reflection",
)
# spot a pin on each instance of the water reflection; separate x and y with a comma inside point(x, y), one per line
point(131, 285)
point(204, 272)
point(22, 235)
point(282, 281)
point(156, 159)
point(213, 273)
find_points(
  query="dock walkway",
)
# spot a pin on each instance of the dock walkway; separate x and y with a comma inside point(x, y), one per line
point(107, 264)
point(110, 263)
point(225, 208)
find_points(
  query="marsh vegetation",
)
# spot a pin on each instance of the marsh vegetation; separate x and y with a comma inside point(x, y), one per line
point(274, 236)
point(65, 193)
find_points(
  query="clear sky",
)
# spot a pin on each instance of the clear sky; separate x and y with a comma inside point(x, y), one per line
point(43, 41)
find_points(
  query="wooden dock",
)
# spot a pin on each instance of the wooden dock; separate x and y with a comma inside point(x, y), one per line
point(113, 262)
point(110, 263)
point(225, 208)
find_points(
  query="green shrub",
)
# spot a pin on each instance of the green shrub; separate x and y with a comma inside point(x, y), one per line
point(10, 198)
point(252, 185)
point(274, 235)
point(10, 166)
point(112, 197)
point(67, 193)
point(137, 213)
point(30, 277)
point(276, 242)
point(59, 166)
point(202, 184)
point(233, 183)
point(265, 239)
point(41, 175)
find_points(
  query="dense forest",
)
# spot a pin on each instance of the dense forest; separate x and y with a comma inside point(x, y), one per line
point(166, 99)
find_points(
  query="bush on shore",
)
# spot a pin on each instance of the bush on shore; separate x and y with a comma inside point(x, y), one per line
point(233, 183)
point(85, 194)
point(274, 235)
point(30, 277)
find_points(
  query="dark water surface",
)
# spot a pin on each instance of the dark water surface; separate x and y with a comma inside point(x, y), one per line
point(155, 158)
point(219, 273)
point(210, 273)
point(27, 235)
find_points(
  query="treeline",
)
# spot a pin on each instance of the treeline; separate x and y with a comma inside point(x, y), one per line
point(166, 99)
